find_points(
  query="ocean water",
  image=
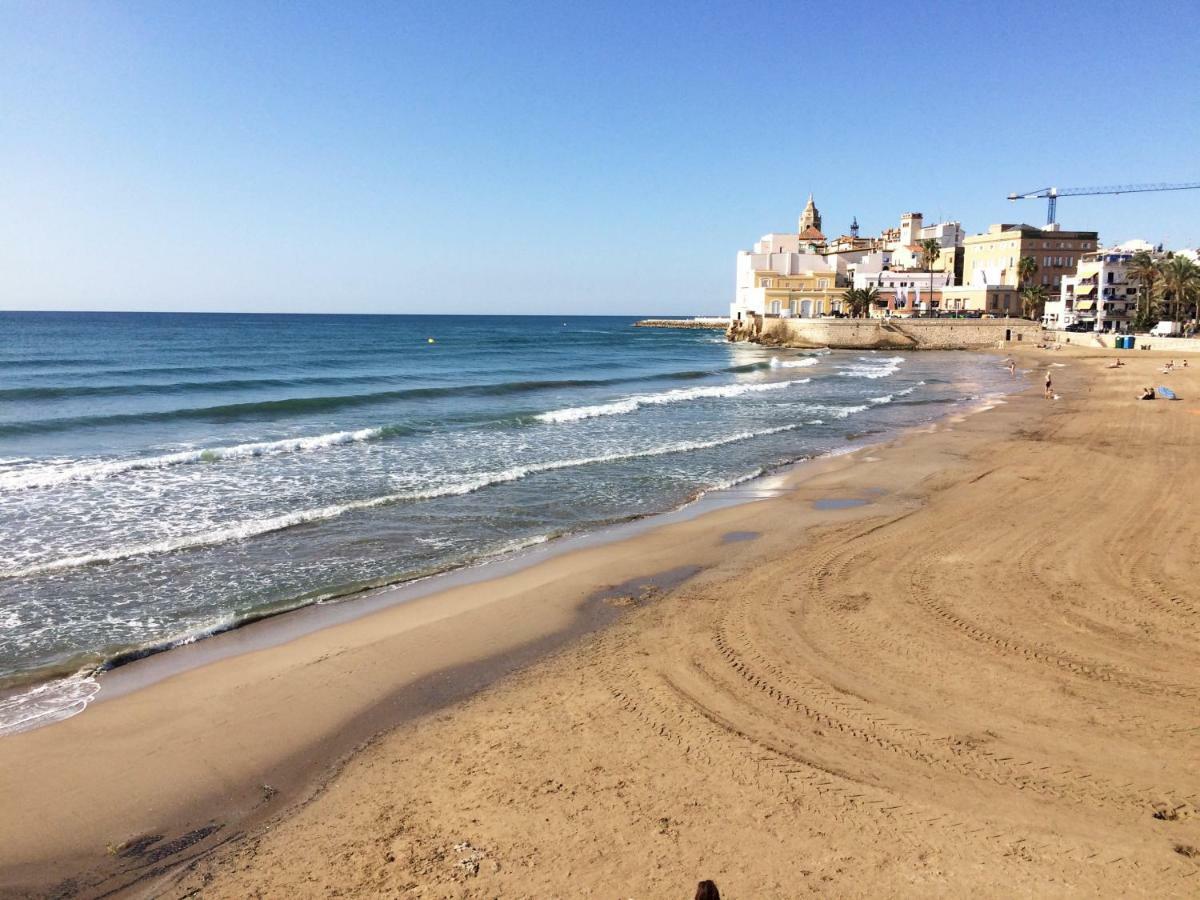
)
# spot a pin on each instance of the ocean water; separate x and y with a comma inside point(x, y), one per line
point(166, 476)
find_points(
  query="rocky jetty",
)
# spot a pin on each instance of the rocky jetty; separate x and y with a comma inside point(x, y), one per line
point(713, 323)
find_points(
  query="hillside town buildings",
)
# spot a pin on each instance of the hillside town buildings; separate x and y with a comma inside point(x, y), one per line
point(806, 274)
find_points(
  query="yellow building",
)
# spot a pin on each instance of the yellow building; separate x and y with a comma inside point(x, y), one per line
point(992, 258)
point(803, 294)
point(990, 300)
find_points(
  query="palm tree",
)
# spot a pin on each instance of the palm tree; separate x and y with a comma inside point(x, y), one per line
point(931, 249)
point(1142, 268)
point(1180, 280)
point(1026, 268)
point(870, 296)
point(1033, 301)
point(851, 300)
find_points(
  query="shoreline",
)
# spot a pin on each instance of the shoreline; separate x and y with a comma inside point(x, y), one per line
point(465, 612)
point(137, 667)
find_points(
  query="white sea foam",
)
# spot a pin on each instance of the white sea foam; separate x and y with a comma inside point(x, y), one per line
point(48, 476)
point(888, 398)
point(266, 525)
point(679, 395)
point(48, 702)
point(841, 412)
point(874, 368)
point(777, 363)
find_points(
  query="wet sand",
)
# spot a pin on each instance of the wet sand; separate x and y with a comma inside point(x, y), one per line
point(983, 679)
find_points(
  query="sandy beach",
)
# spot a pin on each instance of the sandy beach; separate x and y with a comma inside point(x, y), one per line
point(962, 662)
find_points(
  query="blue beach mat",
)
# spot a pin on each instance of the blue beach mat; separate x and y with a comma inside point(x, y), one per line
point(1166, 393)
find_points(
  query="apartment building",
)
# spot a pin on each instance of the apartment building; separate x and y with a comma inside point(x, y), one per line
point(992, 258)
point(1099, 295)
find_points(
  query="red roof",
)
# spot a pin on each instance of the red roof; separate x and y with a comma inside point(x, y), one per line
point(811, 234)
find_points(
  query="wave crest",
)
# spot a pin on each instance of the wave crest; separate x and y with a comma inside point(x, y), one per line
point(49, 476)
point(777, 363)
point(631, 404)
point(882, 368)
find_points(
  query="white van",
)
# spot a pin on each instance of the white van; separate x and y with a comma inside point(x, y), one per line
point(1165, 329)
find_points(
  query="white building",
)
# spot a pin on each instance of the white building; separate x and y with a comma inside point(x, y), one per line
point(947, 234)
point(1099, 295)
point(1137, 245)
point(905, 242)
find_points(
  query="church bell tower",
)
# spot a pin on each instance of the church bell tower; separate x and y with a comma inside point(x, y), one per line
point(811, 217)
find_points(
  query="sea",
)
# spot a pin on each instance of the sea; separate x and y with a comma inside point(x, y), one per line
point(164, 477)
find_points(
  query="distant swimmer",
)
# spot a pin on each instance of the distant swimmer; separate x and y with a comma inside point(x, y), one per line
point(430, 340)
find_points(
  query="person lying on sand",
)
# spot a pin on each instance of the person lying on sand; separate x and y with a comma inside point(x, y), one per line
point(1147, 394)
point(1115, 364)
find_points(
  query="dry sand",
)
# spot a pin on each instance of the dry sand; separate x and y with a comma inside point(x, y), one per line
point(984, 680)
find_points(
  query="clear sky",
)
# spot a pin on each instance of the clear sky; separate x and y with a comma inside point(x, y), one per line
point(553, 158)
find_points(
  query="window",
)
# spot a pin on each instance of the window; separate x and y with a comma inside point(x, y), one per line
point(823, 283)
point(1045, 279)
point(1046, 262)
point(766, 282)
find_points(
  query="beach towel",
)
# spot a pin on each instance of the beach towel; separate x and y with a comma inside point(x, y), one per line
point(1166, 393)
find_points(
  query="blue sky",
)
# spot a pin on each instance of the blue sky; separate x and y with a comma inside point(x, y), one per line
point(556, 157)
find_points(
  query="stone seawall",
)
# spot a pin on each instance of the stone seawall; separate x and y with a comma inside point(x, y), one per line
point(897, 334)
point(1141, 341)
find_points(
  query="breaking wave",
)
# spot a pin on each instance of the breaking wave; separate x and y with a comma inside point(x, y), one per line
point(48, 476)
point(266, 525)
point(777, 363)
point(888, 398)
point(882, 368)
point(632, 404)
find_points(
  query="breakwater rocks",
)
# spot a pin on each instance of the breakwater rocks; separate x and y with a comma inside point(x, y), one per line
point(712, 323)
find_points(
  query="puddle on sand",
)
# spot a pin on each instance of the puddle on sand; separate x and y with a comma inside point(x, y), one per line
point(734, 537)
point(839, 503)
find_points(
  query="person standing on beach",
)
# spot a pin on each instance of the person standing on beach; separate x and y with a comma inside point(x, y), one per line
point(1049, 392)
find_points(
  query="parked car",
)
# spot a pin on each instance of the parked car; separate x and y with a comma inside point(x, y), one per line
point(1080, 326)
